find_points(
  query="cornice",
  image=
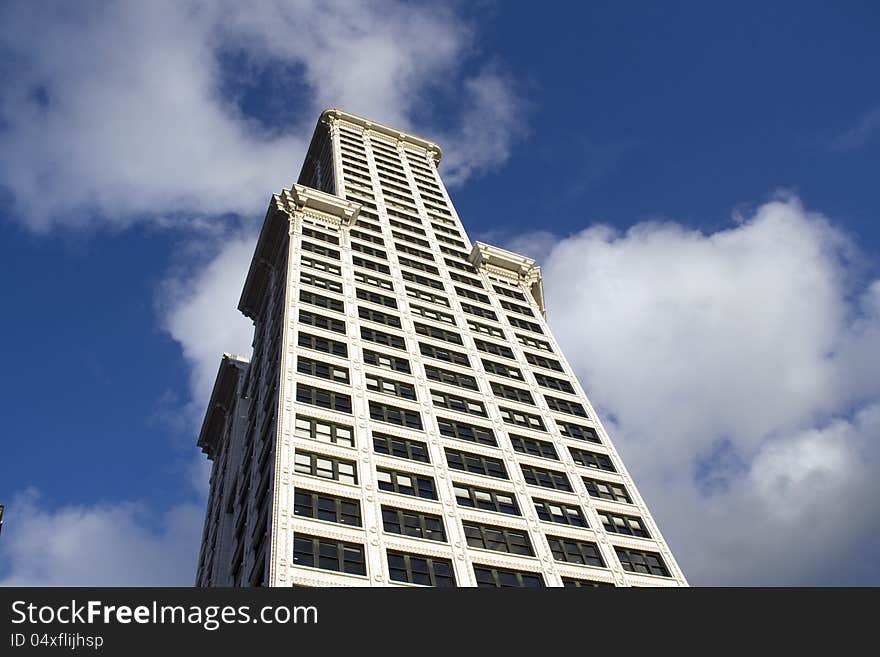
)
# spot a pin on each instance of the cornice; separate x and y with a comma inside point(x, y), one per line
point(331, 113)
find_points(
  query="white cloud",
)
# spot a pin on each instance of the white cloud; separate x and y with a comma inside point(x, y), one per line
point(739, 368)
point(119, 544)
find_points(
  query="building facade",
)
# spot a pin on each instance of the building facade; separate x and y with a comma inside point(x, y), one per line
point(407, 417)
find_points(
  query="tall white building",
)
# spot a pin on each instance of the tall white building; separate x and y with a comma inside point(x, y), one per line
point(407, 417)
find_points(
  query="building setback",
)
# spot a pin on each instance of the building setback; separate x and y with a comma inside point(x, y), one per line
point(407, 417)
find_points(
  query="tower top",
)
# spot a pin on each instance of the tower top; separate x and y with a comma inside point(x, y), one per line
point(333, 113)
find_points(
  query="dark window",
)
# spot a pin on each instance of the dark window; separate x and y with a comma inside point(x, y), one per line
point(500, 539)
point(441, 353)
point(368, 279)
point(523, 324)
point(475, 463)
point(320, 266)
point(321, 301)
point(579, 432)
point(389, 362)
point(366, 237)
point(571, 582)
point(620, 524)
point(324, 431)
point(316, 368)
point(512, 392)
point(318, 343)
point(323, 506)
point(459, 404)
point(637, 561)
point(606, 490)
point(390, 387)
point(394, 415)
point(329, 323)
point(418, 264)
point(369, 264)
point(326, 467)
point(592, 460)
point(421, 280)
point(485, 329)
point(478, 311)
point(403, 226)
point(520, 419)
point(534, 447)
point(451, 378)
point(492, 348)
point(318, 281)
point(375, 297)
point(563, 514)
point(534, 343)
point(328, 554)
point(430, 297)
point(413, 523)
point(470, 294)
point(320, 235)
point(515, 307)
point(566, 406)
point(321, 250)
point(571, 551)
point(323, 398)
point(503, 578)
point(545, 478)
point(437, 333)
point(488, 500)
point(469, 432)
point(404, 448)
point(546, 363)
point(501, 369)
point(405, 248)
point(378, 316)
point(417, 569)
point(369, 250)
point(553, 383)
point(507, 292)
point(406, 483)
point(467, 280)
point(437, 315)
point(455, 264)
point(387, 339)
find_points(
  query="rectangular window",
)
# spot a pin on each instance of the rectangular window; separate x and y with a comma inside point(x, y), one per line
point(326, 467)
point(327, 554)
point(546, 363)
point(317, 281)
point(378, 317)
point(389, 387)
point(579, 432)
point(527, 341)
point(563, 514)
point(328, 267)
point(323, 431)
point(502, 369)
point(403, 448)
point(515, 307)
point(370, 265)
point(553, 383)
point(485, 499)
point(545, 478)
point(638, 561)
point(413, 523)
point(406, 483)
point(492, 348)
point(430, 297)
point(485, 329)
point(475, 463)
point(366, 237)
point(321, 301)
point(316, 342)
point(418, 264)
point(405, 248)
point(418, 569)
point(520, 419)
point(393, 415)
point(403, 226)
point(503, 578)
point(437, 333)
point(507, 292)
point(367, 279)
point(323, 506)
point(362, 223)
point(499, 539)
point(320, 235)
point(467, 280)
point(387, 339)
point(441, 353)
point(323, 398)
point(451, 378)
point(620, 524)
point(412, 277)
point(320, 249)
point(386, 361)
point(433, 314)
point(606, 490)
point(449, 240)
point(459, 404)
point(319, 321)
point(523, 324)
point(375, 297)
point(369, 250)
point(534, 447)
point(571, 582)
point(455, 264)
point(470, 432)
point(470, 294)
point(335, 373)
point(512, 392)
point(566, 406)
point(571, 551)
point(478, 311)
point(592, 460)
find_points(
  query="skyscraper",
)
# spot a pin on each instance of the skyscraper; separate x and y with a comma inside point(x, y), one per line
point(407, 416)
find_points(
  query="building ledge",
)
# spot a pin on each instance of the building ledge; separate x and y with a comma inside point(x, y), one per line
point(498, 261)
point(222, 402)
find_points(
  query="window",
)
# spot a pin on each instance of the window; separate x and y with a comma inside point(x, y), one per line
point(545, 478)
point(533, 447)
point(492, 348)
point(405, 248)
point(328, 554)
point(321, 301)
point(319, 321)
point(413, 523)
point(459, 404)
point(571, 582)
point(448, 240)
point(485, 329)
point(318, 343)
point(546, 363)
point(387, 361)
point(451, 378)
point(475, 463)
point(579, 432)
point(375, 297)
point(620, 524)
point(441, 353)
point(369, 250)
point(478, 311)
point(592, 460)
point(469, 432)
point(323, 506)
point(369, 225)
point(563, 514)
point(427, 296)
point(526, 341)
point(507, 292)
point(499, 539)
point(437, 333)
point(394, 415)
point(318, 281)
point(523, 324)
point(320, 266)
point(319, 235)
point(404, 448)
point(320, 249)
point(421, 280)
point(553, 383)
point(566, 406)
point(326, 467)
point(323, 398)
point(467, 280)
point(387, 339)
point(485, 499)
point(606, 490)
point(323, 431)
point(367, 279)
point(455, 264)
point(637, 561)
point(515, 307)
point(403, 226)
point(389, 387)
point(501, 369)
point(369, 264)
point(512, 392)
point(316, 368)
point(504, 578)
point(417, 569)
point(419, 265)
point(366, 237)
point(470, 294)
point(571, 551)
point(520, 419)
point(406, 483)
point(433, 314)
point(378, 316)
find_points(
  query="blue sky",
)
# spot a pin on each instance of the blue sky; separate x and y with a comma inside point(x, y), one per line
point(699, 182)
